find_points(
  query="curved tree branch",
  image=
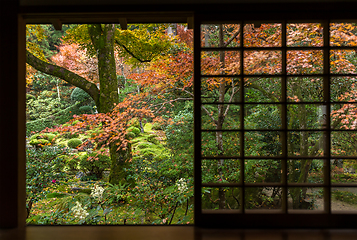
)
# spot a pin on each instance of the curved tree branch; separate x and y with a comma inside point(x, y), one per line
point(131, 53)
point(65, 75)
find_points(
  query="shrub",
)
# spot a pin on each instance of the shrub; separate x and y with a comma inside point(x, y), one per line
point(130, 135)
point(94, 163)
point(74, 142)
point(144, 145)
point(86, 109)
point(41, 139)
point(72, 162)
point(134, 122)
point(152, 138)
point(79, 95)
point(40, 165)
point(47, 136)
point(69, 135)
point(345, 196)
point(134, 130)
point(156, 126)
point(39, 142)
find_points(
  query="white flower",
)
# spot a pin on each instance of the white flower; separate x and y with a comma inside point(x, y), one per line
point(79, 211)
point(97, 192)
point(181, 185)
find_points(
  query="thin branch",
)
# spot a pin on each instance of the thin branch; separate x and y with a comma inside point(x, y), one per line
point(209, 114)
point(230, 99)
point(131, 53)
point(169, 102)
point(232, 38)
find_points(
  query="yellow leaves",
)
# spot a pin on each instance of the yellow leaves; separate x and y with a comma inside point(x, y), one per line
point(141, 44)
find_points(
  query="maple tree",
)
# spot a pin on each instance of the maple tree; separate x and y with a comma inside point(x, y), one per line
point(100, 41)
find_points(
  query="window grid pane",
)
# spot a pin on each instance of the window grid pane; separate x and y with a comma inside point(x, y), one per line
point(290, 65)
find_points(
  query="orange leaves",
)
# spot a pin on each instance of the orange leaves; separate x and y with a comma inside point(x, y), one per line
point(304, 62)
point(262, 62)
point(343, 34)
point(304, 34)
point(73, 58)
point(265, 35)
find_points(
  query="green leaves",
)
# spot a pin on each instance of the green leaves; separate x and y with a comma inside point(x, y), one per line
point(141, 45)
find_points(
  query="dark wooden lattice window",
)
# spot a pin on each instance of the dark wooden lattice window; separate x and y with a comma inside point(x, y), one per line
point(271, 124)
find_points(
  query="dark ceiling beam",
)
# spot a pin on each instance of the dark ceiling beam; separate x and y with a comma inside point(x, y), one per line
point(123, 23)
point(57, 24)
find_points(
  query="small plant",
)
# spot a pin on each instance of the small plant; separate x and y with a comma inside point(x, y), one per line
point(74, 143)
point(95, 163)
point(41, 139)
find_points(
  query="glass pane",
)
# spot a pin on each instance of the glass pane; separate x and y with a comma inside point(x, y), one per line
point(263, 198)
point(259, 116)
point(344, 171)
point(344, 199)
point(210, 89)
point(305, 171)
point(210, 35)
point(304, 34)
point(306, 116)
point(304, 62)
point(343, 116)
point(262, 171)
point(211, 115)
point(343, 89)
point(220, 144)
point(304, 89)
point(214, 198)
point(262, 143)
point(221, 171)
point(262, 62)
point(344, 143)
point(262, 35)
point(305, 143)
point(343, 61)
point(343, 34)
point(260, 89)
point(305, 198)
point(220, 62)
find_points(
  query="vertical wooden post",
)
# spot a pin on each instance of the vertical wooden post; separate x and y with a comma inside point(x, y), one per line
point(12, 120)
point(197, 120)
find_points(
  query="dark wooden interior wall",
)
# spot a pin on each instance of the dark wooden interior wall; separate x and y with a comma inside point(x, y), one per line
point(9, 105)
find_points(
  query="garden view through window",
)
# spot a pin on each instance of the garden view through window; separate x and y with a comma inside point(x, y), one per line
point(110, 121)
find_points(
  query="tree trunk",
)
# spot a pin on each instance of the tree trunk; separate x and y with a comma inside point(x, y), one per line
point(102, 36)
point(299, 194)
point(220, 121)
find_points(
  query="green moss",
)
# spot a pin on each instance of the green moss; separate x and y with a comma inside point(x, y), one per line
point(148, 127)
point(153, 139)
point(39, 142)
point(157, 126)
point(134, 130)
point(74, 142)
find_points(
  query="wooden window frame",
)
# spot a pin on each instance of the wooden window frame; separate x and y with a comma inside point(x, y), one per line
point(284, 218)
point(12, 164)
